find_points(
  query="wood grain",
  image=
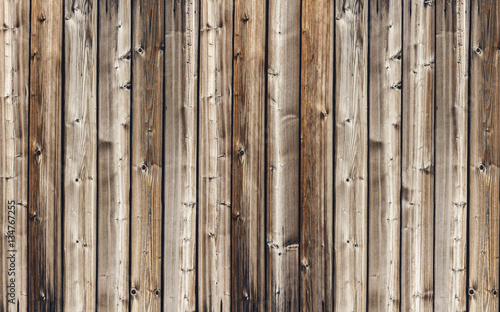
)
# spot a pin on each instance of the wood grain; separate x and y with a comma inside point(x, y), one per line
point(147, 149)
point(384, 155)
point(316, 162)
point(484, 172)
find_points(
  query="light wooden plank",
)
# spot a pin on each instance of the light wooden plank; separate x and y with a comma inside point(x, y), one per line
point(316, 162)
point(385, 154)
point(484, 172)
point(215, 119)
point(114, 155)
point(452, 66)
point(248, 226)
point(14, 123)
point(45, 164)
point(283, 156)
point(417, 291)
point(180, 152)
point(146, 162)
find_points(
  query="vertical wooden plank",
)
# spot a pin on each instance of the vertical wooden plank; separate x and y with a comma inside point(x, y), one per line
point(14, 105)
point(484, 172)
point(146, 162)
point(316, 162)
point(114, 155)
point(248, 227)
point(385, 154)
point(80, 155)
point(417, 292)
point(215, 119)
point(180, 152)
point(452, 66)
point(44, 219)
point(351, 150)
point(283, 160)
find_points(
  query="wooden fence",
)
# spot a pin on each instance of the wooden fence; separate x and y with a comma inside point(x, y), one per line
point(250, 155)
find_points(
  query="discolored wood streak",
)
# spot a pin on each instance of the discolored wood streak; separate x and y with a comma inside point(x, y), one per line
point(484, 172)
point(316, 163)
point(45, 158)
point(180, 151)
point(146, 163)
point(14, 105)
point(214, 234)
point(248, 188)
point(452, 78)
point(114, 155)
point(283, 156)
point(385, 154)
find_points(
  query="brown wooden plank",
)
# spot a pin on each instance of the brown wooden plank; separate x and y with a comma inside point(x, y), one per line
point(215, 119)
point(283, 156)
point(484, 172)
point(385, 154)
point(452, 65)
point(146, 162)
point(417, 291)
point(45, 164)
point(316, 164)
point(14, 123)
point(180, 134)
point(248, 226)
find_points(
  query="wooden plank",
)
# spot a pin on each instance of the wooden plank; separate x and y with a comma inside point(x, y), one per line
point(417, 291)
point(484, 172)
point(14, 105)
point(215, 118)
point(114, 155)
point(80, 155)
point(351, 151)
point(248, 227)
point(146, 162)
point(45, 172)
point(385, 155)
point(316, 162)
point(180, 152)
point(283, 156)
point(452, 66)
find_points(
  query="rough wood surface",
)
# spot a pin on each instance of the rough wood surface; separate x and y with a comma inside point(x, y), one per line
point(417, 291)
point(146, 163)
point(180, 153)
point(484, 166)
point(452, 64)
point(114, 155)
point(14, 105)
point(351, 151)
point(215, 119)
point(316, 162)
point(45, 158)
point(384, 155)
point(283, 155)
point(248, 191)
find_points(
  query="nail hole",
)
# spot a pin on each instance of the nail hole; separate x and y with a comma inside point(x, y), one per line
point(143, 167)
point(495, 292)
point(481, 167)
point(157, 292)
point(38, 152)
point(471, 291)
point(77, 180)
point(133, 292)
point(478, 50)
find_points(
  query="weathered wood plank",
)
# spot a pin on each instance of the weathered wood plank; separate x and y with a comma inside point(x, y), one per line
point(351, 150)
point(214, 234)
point(484, 167)
point(180, 152)
point(452, 65)
point(283, 157)
point(316, 162)
point(45, 164)
point(146, 163)
point(14, 105)
point(417, 292)
point(385, 154)
point(80, 155)
point(248, 226)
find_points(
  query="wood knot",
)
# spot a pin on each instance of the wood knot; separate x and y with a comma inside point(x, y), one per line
point(245, 17)
point(157, 292)
point(494, 292)
point(144, 167)
point(481, 167)
point(478, 50)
